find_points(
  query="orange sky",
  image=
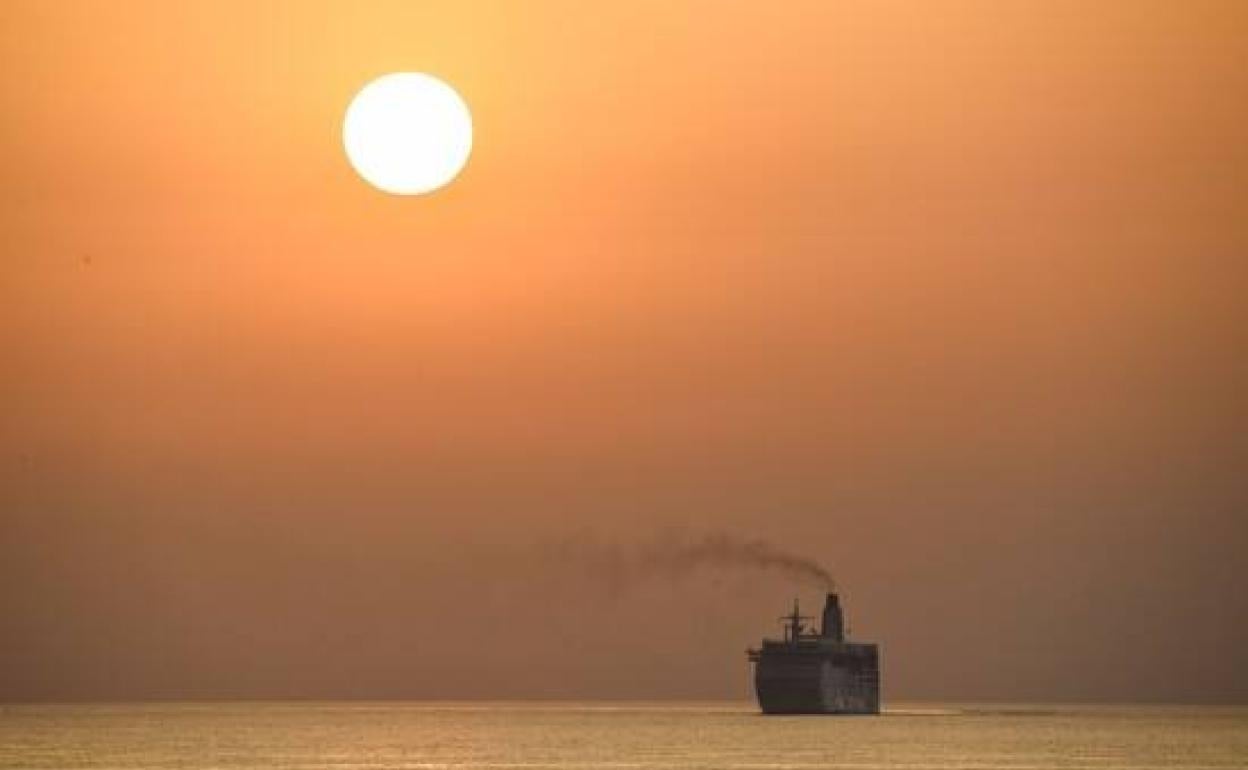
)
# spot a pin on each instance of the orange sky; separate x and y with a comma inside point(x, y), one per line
point(948, 294)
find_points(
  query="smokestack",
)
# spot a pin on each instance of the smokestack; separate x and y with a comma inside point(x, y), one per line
point(833, 622)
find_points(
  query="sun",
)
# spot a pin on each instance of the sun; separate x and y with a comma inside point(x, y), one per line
point(407, 133)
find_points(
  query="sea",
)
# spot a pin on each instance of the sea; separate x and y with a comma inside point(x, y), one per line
point(649, 736)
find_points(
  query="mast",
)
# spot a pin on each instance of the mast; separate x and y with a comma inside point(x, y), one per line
point(793, 623)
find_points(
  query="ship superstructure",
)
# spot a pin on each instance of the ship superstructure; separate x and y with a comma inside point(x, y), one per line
point(816, 672)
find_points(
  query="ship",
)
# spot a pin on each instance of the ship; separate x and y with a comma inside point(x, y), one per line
point(816, 672)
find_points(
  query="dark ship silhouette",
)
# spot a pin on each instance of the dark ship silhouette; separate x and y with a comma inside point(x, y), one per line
point(810, 672)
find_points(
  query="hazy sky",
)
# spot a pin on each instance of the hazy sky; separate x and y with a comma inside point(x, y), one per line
point(948, 295)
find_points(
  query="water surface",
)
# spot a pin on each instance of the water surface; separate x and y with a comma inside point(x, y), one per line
point(649, 736)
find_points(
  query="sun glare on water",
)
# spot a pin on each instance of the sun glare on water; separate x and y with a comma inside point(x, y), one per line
point(407, 133)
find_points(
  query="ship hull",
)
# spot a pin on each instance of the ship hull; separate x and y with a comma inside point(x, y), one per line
point(829, 679)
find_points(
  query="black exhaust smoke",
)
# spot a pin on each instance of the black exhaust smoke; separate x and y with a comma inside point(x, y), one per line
point(676, 556)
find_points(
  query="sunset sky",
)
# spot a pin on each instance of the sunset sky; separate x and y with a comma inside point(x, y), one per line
point(948, 295)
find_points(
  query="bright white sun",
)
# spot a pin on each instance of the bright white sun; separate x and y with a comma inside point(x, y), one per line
point(407, 133)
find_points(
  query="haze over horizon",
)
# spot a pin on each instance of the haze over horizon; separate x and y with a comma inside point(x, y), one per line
point(947, 297)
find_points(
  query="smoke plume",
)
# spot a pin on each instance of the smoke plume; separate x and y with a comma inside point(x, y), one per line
point(679, 556)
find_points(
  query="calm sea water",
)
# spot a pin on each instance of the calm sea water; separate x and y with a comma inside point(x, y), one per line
point(389, 736)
